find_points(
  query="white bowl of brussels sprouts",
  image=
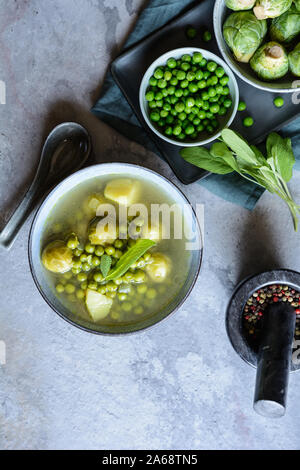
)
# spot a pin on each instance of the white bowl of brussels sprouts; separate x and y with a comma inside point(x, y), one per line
point(188, 96)
point(259, 40)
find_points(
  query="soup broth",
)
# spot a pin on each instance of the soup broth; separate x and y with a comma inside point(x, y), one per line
point(146, 287)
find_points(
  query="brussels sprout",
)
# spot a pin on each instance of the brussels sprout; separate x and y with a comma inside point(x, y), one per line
point(270, 61)
point(271, 8)
point(57, 257)
point(294, 61)
point(286, 27)
point(238, 5)
point(243, 33)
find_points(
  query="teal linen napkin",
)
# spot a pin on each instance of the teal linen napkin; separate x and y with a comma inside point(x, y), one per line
point(113, 109)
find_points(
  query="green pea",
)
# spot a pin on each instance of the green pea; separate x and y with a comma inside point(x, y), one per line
point(86, 267)
point(167, 75)
point(84, 285)
point(98, 277)
point(168, 130)
point(182, 116)
point(224, 80)
point(197, 57)
point(242, 106)
point(80, 294)
point(152, 81)
point(190, 129)
point(164, 113)
point(142, 288)
point(102, 290)
point(162, 83)
point(171, 63)
point(177, 130)
point(186, 58)
point(149, 96)
point(227, 103)
point(174, 81)
point(152, 104)
point(68, 275)
point(191, 32)
point(278, 102)
point(212, 92)
point(193, 87)
point(201, 84)
point(95, 261)
point(179, 106)
point(200, 128)
point(178, 93)
point(211, 66)
point(190, 76)
point(222, 111)
point(154, 116)
point(220, 72)
point(171, 90)
point(169, 119)
point(89, 248)
point(73, 243)
point(207, 36)
point(190, 102)
point(99, 251)
point(60, 288)
point(139, 276)
point(181, 75)
point(126, 306)
point(111, 286)
point(122, 297)
point(70, 289)
point(82, 277)
point(201, 114)
point(151, 294)
point(138, 310)
point(203, 63)
point(76, 263)
point(210, 129)
point(92, 285)
point(158, 74)
point(248, 121)
point(184, 83)
point(199, 75)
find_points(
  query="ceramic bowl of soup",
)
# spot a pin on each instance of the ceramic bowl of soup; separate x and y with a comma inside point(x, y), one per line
point(115, 248)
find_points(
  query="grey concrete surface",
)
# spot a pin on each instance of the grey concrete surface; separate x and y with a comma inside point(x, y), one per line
point(177, 386)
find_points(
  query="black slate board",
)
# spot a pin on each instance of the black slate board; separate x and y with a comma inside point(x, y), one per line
point(128, 70)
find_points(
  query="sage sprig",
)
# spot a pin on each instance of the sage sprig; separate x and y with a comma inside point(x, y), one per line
point(233, 153)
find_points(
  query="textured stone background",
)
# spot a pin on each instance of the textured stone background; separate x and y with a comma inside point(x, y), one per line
point(179, 385)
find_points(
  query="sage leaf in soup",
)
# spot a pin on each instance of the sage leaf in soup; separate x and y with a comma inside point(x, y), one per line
point(280, 153)
point(131, 256)
point(105, 264)
point(201, 157)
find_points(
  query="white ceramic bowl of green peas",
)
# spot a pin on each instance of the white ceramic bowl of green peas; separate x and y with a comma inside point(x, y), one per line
point(188, 96)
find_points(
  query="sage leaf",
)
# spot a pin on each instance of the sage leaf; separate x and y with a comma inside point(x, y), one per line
point(220, 150)
point(281, 153)
point(239, 146)
point(201, 157)
point(105, 264)
point(130, 257)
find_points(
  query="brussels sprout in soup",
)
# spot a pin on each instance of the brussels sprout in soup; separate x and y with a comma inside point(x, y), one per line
point(109, 274)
